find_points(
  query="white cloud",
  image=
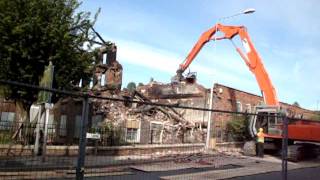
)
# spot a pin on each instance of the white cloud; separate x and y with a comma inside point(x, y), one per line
point(147, 56)
point(160, 60)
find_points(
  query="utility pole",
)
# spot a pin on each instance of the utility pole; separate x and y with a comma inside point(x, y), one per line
point(209, 118)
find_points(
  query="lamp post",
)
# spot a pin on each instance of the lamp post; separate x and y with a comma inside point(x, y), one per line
point(246, 11)
point(210, 123)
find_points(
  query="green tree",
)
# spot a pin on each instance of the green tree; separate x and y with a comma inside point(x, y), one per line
point(296, 104)
point(140, 84)
point(237, 128)
point(131, 86)
point(34, 33)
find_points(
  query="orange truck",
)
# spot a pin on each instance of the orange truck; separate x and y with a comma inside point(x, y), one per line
point(267, 115)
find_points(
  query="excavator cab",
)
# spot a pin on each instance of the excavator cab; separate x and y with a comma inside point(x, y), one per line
point(267, 118)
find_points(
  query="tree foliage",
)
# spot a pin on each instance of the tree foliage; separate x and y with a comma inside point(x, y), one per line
point(296, 104)
point(33, 33)
point(237, 128)
point(131, 86)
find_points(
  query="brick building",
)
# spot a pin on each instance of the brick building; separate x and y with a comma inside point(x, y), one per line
point(230, 99)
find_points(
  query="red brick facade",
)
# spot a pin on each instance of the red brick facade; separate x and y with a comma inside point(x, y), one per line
point(226, 98)
point(230, 99)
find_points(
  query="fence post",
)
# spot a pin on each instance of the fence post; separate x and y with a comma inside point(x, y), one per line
point(209, 120)
point(37, 144)
point(284, 148)
point(48, 106)
point(82, 139)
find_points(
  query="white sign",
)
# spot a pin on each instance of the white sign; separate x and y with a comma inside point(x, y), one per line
point(93, 136)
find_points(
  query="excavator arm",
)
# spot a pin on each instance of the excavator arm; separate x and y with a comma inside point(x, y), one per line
point(299, 130)
point(250, 57)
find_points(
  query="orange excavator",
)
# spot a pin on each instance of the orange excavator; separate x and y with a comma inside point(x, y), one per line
point(298, 130)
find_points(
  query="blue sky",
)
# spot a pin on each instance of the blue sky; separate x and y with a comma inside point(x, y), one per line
point(154, 37)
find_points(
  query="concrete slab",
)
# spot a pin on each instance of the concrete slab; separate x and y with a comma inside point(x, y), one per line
point(258, 166)
point(194, 162)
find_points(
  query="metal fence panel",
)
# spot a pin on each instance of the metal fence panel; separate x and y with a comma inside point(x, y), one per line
point(75, 142)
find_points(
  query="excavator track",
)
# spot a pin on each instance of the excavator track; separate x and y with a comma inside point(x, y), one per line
point(299, 152)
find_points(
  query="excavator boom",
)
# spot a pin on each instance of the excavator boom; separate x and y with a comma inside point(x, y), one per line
point(250, 57)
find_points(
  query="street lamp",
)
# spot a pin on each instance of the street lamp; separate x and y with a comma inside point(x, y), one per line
point(246, 11)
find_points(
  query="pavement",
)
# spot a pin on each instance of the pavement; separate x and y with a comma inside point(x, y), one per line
point(225, 167)
point(296, 174)
point(198, 166)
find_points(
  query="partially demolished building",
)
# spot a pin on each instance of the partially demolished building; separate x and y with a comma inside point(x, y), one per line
point(133, 122)
point(146, 124)
point(124, 122)
point(172, 124)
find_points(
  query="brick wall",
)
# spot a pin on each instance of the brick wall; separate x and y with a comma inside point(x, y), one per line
point(155, 149)
point(71, 108)
point(230, 99)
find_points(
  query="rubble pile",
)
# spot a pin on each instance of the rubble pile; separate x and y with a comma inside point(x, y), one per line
point(165, 125)
point(112, 112)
